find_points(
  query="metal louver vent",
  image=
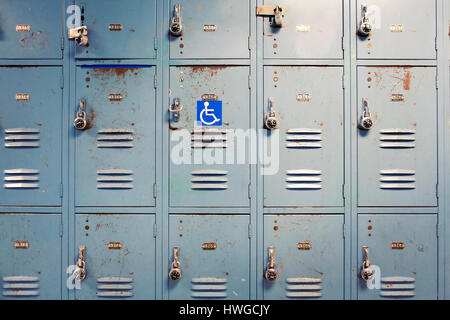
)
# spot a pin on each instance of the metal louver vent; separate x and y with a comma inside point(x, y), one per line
point(303, 287)
point(209, 288)
point(115, 138)
point(114, 287)
point(397, 138)
point(397, 179)
point(21, 179)
point(115, 179)
point(20, 286)
point(303, 179)
point(208, 138)
point(304, 138)
point(209, 179)
point(401, 287)
point(22, 138)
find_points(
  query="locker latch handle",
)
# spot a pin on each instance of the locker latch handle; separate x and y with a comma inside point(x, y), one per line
point(79, 35)
point(80, 269)
point(175, 109)
point(80, 118)
point(271, 121)
point(271, 270)
point(365, 26)
point(274, 12)
point(175, 269)
point(366, 122)
point(176, 28)
point(366, 270)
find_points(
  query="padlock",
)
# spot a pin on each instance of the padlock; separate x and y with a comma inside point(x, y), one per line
point(271, 121)
point(79, 35)
point(271, 270)
point(277, 20)
point(175, 109)
point(80, 119)
point(176, 28)
point(80, 272)
point(366, 121)
point(366, 270)
point(365, 27)
point(175, 269)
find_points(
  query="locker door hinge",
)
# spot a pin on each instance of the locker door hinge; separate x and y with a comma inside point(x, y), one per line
point(61, 230)
point(62, 43)
point(154, 190)
point(343, 191)
point(343, 81)
point(343, 230)
point(61, 190)
point(249, 190)
point(155, 43)
point(155, 230)
point(342, 43)
point(435, 44)
point(248, 42)
point(62, 79)
point(155, 80)
point(249, 81)
point(436, 79)
point(250, 233)
point(438, 227)
point(437, 190)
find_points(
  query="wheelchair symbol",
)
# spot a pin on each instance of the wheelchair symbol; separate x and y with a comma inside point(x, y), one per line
point(208, 112)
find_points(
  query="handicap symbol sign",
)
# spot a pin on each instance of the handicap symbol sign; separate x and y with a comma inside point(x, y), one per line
point(209, 113)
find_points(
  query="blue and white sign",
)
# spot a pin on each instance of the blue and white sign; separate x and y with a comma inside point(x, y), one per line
point(209, 113)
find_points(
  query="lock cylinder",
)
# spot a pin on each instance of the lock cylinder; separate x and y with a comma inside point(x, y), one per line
point(271, 273)
point(176, 28)
point(365, 26)
point(175, 269)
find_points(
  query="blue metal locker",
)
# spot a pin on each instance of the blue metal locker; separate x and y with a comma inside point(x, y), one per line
point(30, 251)
point(404, 247)
point(30, 132)
point(211, 253)
point(118, 29)
point(308, 102)
point(308, 252)
point(308, 30)
point(404, 29)
point(31, 29)
point(397, 155)
point(210, 29)
point(119, 256)
point(115, 153)
point(218, 183)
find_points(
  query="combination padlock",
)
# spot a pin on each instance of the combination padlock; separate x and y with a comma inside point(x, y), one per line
point(366, 270)
point(271, 121)
point(366, 122)
point(175, 269)
point(79, 35)
point(271, 273)
point(365, 27)
point(80, 119)
point(176, 28)
point(80, 273)
point(277, 20)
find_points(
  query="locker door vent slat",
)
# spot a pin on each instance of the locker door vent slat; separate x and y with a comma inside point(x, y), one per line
point(115, 179)
point(115, 138)
point(303, 179)
point(209, 288)
point(303, 287)
point(115, 287)
point(209, 180)
point(22, 138)
point(304, 138)
point(21, 286)
point(21, 179)
point(397, 179)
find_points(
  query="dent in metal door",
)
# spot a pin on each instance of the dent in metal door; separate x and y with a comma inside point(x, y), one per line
point(308, 102)
point(30, 133)
point(31, 29)
point(405, 249)
point(400, 29)
point(207, 182)
point(214, 257)
point(115, 154)
point(309, 30)
point(118, 29)
point(308, 255)
point(30, 247)
point(211, 29)
point(119, 256)
point(397, 155)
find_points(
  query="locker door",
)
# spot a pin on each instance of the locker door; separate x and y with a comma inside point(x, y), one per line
point(30, 251)
point(30, 133)
point(214, 257)
point(405, 249)
point(118, 29)
point(308, 255)
point(397, 156)
point(404, 29)
point(119, 256)
point(308, 102)
point(115, 154)
point(310, 30)
point(197, 177)
point(31, 29)
point(211, 29)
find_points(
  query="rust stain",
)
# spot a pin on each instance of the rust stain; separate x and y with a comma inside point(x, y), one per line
point(90, 119)
point(407, 80)
point(106, 73)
